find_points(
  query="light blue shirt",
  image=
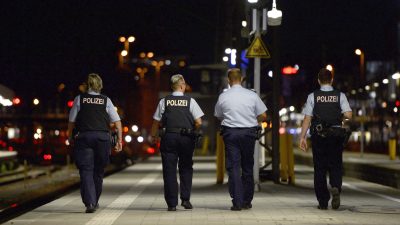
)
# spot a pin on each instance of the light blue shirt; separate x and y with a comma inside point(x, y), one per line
point(114, 117)
point(309, 106)
point(239, 107)
point(194, 109)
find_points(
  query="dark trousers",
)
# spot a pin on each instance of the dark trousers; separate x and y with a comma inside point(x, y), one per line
point(177, 149)
point(327, 157)
point(239, 154)
point(91, 153)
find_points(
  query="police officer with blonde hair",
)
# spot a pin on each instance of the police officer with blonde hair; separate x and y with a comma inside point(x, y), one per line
point(179, 118)
point(89, 129)
point(324, 111)
point(241, 110)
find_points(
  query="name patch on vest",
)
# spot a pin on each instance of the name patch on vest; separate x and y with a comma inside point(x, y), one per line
point(177, 102)
point(97, 101)
point(327, 98)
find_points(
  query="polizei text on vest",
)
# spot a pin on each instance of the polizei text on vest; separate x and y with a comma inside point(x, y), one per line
point(327, 99)
point(98, 101)
point(177, 102)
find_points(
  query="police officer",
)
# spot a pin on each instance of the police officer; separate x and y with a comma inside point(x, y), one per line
point(90, 116)
point(240, 110)
point(179, 116)
point(325, 108)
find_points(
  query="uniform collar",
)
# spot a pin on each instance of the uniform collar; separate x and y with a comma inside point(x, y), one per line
point(91, 92)
point(177, 93)
point(326, 87)
point(236, 86)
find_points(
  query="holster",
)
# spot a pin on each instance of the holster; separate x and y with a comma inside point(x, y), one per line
point(113, 138)
point(162, 131)
point(258, 132)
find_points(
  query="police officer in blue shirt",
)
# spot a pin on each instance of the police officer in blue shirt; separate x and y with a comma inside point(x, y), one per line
point(88, 128)
point(324, 112)
point(241, 110)
point(179, 117)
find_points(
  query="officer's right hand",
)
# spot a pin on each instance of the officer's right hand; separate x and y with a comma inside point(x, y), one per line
point(154, 140)
point(303, 144)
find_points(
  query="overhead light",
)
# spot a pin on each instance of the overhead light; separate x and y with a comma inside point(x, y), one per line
point(135, 128)
point(274, 16)
point(131, 39)
point(124, 53)
point(252, 1)
point(396, 76)
point(233, 57)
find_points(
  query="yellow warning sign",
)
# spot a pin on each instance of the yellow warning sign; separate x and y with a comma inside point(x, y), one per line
point(257, 49)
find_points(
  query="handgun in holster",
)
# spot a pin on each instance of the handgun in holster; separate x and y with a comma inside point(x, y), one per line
point(162, 131)
point(113, 138)
point(258, 132)
point(192, 133)
point(347, 135)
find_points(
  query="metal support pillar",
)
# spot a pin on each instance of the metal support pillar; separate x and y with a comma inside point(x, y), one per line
point(257, 65)
point(275, 109)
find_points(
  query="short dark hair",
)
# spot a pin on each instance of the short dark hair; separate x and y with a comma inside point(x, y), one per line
point(325, 76)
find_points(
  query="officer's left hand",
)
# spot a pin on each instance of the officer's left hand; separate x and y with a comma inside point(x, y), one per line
point(303, 144)
point(118, 146)
point(71, 141)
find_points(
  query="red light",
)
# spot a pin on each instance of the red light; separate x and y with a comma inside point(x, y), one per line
point(70, 103)
point(10, 148)
point(397, 103)
point(14, 205)
point(288, 70)
point(16, 101)
point(151, 150)
point(47, 157)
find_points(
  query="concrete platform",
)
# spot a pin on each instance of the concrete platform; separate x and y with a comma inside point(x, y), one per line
point(135, 196)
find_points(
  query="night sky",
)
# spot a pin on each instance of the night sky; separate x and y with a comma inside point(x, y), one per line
point(44, 43)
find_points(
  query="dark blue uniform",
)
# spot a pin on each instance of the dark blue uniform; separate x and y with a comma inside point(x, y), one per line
point(177, 149)
point(92, 144)
point(238, 108)
point(327, 151)
point(91, 153)
point(239, 154)
point(178, 113)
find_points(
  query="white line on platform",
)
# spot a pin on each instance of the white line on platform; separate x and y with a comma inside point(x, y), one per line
point(371, 193)
point(108, 215)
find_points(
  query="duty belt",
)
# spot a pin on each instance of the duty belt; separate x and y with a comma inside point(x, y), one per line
point(173, 130)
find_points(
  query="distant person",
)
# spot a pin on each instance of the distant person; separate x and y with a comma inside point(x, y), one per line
point(324, 111)
point(241, 110)
point(90, 118)
point(178, 117)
